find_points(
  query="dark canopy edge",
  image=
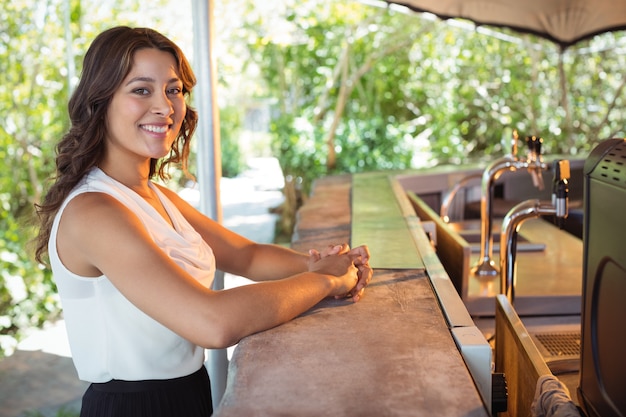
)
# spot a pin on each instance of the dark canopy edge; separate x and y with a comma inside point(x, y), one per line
point(560, 42)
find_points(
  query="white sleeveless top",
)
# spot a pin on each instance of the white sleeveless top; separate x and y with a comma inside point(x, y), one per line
point(109, 337)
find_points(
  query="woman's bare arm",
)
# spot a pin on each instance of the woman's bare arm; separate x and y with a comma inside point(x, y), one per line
point(99, 235)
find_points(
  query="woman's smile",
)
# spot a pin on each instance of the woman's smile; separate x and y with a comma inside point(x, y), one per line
point(155, 128)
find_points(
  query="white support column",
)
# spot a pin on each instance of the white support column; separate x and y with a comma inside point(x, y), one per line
point(209, 156)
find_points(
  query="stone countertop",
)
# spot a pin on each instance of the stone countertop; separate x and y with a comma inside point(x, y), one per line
point(391, 354)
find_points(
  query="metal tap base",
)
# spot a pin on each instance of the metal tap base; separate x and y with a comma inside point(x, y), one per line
point(487, 268)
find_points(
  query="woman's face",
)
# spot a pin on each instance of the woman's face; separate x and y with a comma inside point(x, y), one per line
point(147, 110)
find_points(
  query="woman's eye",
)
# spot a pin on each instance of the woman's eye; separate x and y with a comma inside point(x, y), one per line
point(175, 90)
point(141, 91)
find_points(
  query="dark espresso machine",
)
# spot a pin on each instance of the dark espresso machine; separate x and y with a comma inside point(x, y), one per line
point(602, 387)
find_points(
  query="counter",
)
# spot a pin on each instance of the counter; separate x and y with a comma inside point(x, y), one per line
point(391, 354)
point(548, 281)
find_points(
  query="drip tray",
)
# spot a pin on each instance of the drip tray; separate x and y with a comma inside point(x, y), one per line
point(523, 244)
point(560, 350)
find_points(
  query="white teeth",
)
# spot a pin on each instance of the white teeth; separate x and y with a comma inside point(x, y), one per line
point(155, 129)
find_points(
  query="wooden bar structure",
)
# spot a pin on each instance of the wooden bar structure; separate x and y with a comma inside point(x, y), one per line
point(518, 356)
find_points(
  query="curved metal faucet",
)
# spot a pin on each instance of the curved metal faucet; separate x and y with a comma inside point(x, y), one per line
point(447, 202)
point(527, 210)
point(534, 164)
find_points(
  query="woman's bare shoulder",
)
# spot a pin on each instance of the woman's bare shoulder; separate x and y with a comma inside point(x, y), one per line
point(96, 211)
point(87, 220)
point(88, 204)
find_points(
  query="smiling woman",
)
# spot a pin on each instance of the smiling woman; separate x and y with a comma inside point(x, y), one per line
point(144, 118)
point(134, 263)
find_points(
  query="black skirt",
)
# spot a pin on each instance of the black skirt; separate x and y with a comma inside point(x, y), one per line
point(188, 396)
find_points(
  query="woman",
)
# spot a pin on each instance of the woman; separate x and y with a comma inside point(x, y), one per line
point(134, 263)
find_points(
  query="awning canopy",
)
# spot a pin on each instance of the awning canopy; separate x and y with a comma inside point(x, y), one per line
point(564, 22)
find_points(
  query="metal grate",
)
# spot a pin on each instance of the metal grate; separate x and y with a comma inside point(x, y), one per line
point(561, 343)
point(612, 167)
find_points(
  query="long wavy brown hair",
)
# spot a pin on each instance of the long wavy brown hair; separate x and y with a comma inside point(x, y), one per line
point(107, 62)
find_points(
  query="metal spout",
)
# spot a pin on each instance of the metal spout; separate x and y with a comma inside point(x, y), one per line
point(534, 164)
point(527, 210)
point(447, 202)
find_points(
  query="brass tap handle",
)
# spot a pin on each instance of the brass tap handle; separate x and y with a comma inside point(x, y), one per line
point(538, 146)
point(561, 170)
point(514, 140)
point(534, 145)
point(560, 190)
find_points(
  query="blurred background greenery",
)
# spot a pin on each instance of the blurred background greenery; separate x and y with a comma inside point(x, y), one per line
point(324, 86)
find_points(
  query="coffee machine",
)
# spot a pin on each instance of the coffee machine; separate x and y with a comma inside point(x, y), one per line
point(602, 385)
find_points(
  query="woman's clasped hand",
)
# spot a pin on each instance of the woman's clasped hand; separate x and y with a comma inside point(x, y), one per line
point(335, 259)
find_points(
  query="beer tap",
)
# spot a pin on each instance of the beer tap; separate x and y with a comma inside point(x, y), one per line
point(534, 164)
point(527, 210)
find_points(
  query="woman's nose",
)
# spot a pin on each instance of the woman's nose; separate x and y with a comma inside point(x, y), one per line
point(162, 105)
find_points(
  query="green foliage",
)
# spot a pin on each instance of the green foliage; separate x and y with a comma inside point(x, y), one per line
point(33, 93)
point(232, 159)
point(335, 45)
point(381, 89)
point(301, 146)
point(41, 49)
